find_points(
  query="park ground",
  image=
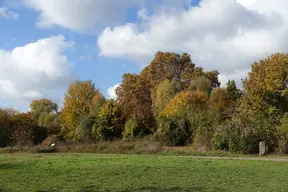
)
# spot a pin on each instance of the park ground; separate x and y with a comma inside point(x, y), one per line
point(96, 172)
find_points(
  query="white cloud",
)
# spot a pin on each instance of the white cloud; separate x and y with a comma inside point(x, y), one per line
point(38, 69)
point(219, 34)
point(32, 94)
point(143, 14)
point(8, 14)
point(92, 15)
point(112, 91)
point(81, 15)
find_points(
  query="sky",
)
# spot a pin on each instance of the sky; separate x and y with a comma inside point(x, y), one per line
point(45, 45)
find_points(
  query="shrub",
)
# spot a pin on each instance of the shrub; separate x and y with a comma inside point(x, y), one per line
point(134, 128)
point(173, 131)
point(5, 133)
point(202, 126)
point(282, 134)
point(22, 128)
point(226, 137)
point(243, 133)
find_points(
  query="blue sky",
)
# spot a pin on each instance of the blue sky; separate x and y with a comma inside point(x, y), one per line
point(102, 39)
point(105, 72)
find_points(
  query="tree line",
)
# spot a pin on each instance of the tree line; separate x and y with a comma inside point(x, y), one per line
point(172, 101)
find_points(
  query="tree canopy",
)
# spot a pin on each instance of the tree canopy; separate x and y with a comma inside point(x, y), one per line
point(173, 101)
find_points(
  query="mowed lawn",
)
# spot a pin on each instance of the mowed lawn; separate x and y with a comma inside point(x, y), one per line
point(92, 172)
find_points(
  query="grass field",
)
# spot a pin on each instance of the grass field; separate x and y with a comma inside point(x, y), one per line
point(91, 172)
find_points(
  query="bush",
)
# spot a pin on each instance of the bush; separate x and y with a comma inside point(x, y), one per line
point(135, 129)
point(202, 141)
point(5, 132)
point(22, 128)
point(226, 137)
point(243, 133)
point(202, 126)
point(282, 134)
point(173, 132)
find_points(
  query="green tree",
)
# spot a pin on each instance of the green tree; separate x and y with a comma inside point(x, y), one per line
point(42, 106)
point(110, 121)
point(50, 121)
point(233, 91)
point(201, 83)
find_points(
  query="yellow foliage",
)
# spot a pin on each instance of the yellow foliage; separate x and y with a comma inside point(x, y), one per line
point(183, 102)
point(219, 99)
point(76, 103)
point(267, 85)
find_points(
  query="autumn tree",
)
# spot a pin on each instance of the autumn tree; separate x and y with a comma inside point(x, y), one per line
point(140, 95)
point(163, 93)
point(134, 97)
point(213, 77)
point(167, 65)
point(96, 103)
point(77, 102)
point(176, 124)
point(180, 105)
point(263, 102)
point(266, 86)
point(222, 101)
point(22, 128)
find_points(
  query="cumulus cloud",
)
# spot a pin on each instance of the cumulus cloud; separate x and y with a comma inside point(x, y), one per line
point(81, 15)
point(219, 34)
point(39, 69)
point(112, 91)
point(92, 15)
point(8, 14)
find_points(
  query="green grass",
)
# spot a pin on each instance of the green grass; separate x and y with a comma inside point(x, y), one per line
point(92, 172)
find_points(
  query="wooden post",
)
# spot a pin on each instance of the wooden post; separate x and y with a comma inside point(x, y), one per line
point(262, 148)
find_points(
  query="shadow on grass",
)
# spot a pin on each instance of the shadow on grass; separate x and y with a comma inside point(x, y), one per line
point(144, 189)
point(5, 190)
point(154, 189)
point(9, 166)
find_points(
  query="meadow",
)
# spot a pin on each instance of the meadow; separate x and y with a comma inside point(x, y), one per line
point(95, 172)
